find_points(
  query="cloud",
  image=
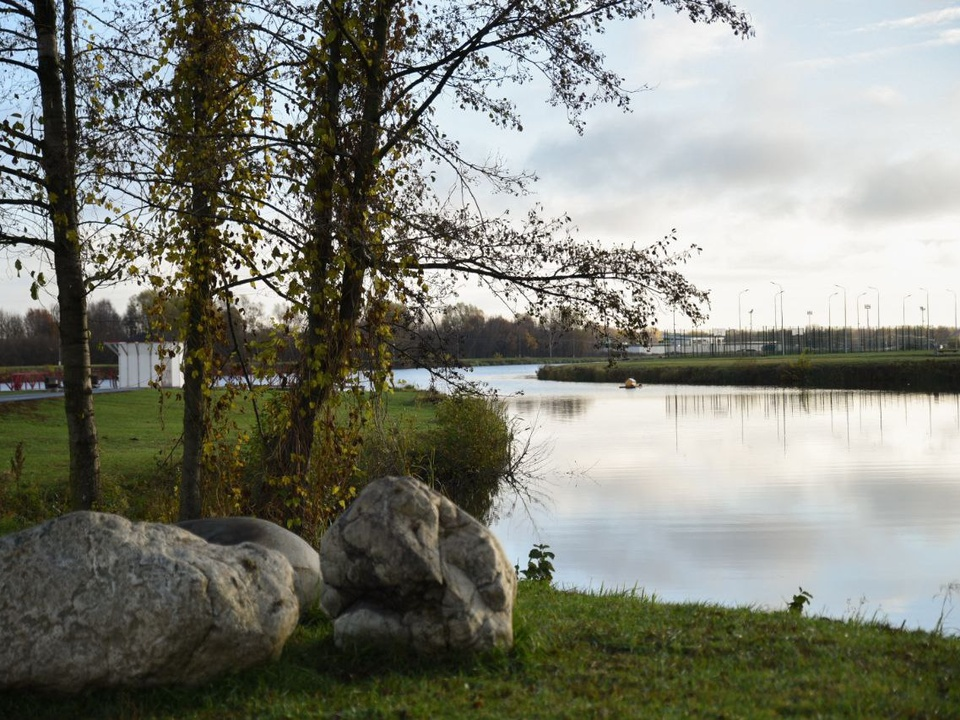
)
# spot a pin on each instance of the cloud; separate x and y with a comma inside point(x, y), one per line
point(916, 188)
point(883, 95)
point(947, 37)
point(923, 24)
point(665, 152)
point(927, 19)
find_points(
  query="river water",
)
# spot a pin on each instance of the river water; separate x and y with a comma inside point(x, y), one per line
point(739, 495)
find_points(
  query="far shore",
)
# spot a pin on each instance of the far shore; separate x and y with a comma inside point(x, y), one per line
point(894, 371)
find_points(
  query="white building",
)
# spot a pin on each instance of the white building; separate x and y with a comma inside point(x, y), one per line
point(140, 364)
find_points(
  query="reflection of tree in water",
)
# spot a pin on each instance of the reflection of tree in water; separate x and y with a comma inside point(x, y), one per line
point(776, 402)
point(561, 407)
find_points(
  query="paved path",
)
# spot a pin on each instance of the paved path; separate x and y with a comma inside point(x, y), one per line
point(13, 396)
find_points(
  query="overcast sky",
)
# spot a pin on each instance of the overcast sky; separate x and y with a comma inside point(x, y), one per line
point(824, 151)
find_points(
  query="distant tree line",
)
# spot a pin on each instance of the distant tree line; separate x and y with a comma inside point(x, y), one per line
point(462, 332)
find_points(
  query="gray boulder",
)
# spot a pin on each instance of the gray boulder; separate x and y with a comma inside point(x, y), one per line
point(235, 530)
point(93, 600)
point(405, 566)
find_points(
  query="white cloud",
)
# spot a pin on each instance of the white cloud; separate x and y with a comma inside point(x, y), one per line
point(947, 37)
point(883, 95)
point(927, 19)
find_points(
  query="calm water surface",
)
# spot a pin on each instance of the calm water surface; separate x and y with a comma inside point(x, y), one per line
point(740, 495)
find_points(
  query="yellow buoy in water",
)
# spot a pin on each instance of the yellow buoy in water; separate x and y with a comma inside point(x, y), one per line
point(630, 384)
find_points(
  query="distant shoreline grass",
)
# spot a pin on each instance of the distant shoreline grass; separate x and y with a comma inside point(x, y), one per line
point(577, 655)
point(902, 372)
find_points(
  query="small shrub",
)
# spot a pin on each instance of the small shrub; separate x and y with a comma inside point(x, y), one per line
point(467, 452)
point(799, 602)
point(539, 564)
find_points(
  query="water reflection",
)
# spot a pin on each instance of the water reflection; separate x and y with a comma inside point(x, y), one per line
point(739, 495)
point(560, 407)
point(860, 409)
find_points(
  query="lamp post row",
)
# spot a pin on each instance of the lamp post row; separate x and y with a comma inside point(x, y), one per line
point(847, 346)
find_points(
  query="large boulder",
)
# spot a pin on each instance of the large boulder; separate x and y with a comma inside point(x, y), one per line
point(93, 600)
point(298, 552)
point(405, 566)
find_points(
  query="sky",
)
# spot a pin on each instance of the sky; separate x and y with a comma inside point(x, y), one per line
point(824, 151)
point(820, 156)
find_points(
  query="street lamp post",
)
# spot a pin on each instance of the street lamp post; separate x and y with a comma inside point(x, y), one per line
point(867, 308)
point(739, 316)
point(954, 293)
point(876, 343)
point(846, 346)
point(927, 327)
point(783, 338)
point(859, 336)
point(922, 308)
point(830, 322)
point(903, 323)
point(750, 313)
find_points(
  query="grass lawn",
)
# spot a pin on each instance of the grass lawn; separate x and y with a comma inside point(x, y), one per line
point(140, 449)
point(614, 655)
point(579, 656)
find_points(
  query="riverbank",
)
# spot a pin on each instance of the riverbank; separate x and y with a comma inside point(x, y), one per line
point(902, 372)
point(614, 655)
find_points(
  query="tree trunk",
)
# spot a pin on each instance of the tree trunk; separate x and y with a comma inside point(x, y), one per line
point(332, 318)
point(199, 265)
point(59, 164)
point(195, 406)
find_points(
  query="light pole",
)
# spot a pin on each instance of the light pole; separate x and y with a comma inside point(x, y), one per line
point(783, 339)
point(739, 316)
point(954, 293)
point(859, 336)
point(846, 347)
point(922, 308)
point(830, 322)
point(903, 323)
point(867, 308)
point(750, 313)
point(877, 325)
point(927, 334)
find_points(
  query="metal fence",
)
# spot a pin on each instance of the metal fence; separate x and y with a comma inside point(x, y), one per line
point(794, 340)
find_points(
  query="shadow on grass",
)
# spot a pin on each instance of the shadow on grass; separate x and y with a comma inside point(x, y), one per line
point(311, 673)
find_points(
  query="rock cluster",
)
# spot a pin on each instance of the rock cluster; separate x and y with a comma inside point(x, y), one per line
point(405, 566)
point(93, 600)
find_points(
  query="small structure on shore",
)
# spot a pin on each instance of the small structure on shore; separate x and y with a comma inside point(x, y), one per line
point(141, 363)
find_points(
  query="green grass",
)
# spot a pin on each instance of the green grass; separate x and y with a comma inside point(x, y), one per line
point(578, 656)
point(140, 449)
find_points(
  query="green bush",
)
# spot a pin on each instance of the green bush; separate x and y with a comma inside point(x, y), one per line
point(466, 453)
